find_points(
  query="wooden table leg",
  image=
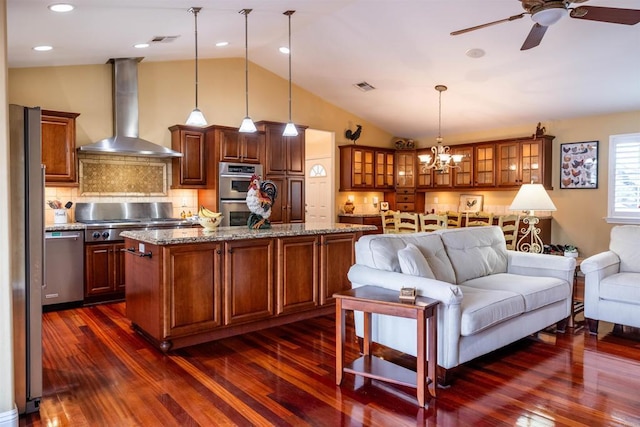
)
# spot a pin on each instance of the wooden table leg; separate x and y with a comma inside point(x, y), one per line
point(421, 356)
point(340, 339)
point(366, 339)
point(432, 334)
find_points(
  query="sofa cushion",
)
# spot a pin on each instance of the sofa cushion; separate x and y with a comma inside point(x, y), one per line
point(481, 309)
point(431, 247)
point(624, 242)
point(475, 251)
point(535, 291)
point(413, 262)
point(624, 287)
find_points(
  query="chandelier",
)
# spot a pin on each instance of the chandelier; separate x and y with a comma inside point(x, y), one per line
point(441, 160)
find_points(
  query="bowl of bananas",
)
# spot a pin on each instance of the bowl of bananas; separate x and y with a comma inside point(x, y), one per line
point(208, 219)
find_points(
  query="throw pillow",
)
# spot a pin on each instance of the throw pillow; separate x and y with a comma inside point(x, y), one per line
point(413, 262)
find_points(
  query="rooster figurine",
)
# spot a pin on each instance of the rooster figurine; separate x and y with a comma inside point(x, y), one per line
point(260, 198)
point(353, 135)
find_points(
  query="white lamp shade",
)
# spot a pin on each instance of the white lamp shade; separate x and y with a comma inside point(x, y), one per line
point(532, 197)
point(196, 118)
point(247, 125)
point(424, 158)
point(290, 130)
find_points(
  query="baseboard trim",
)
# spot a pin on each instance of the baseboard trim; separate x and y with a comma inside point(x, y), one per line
point(9, 418)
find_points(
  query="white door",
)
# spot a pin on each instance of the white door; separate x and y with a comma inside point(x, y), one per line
point(318, 192)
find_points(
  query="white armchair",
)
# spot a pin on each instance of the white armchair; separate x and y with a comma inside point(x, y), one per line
point(612, 281)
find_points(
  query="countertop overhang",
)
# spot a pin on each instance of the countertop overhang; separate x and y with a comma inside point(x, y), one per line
point(173, 236)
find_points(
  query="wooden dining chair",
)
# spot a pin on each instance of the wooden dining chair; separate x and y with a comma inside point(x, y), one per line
point(509, 225)
point(430, 222)
point(407, 222)
point(477, 219)
point(453, 218)
point(388, 221)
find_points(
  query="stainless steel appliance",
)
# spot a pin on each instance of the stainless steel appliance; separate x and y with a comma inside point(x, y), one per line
point(232, 191)
point(64, 267)
point(105, 221)
point(26, 237)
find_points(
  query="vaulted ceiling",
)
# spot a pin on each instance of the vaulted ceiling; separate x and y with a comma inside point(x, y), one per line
point(403, 48)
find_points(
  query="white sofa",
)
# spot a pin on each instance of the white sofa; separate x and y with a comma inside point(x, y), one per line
point(612, 281)
point(489, 296)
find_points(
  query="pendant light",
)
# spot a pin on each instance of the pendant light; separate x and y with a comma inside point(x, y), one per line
point(290, 129)
point(247, 124)
point(196, 118)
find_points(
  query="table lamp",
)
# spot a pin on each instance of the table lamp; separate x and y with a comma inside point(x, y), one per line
point(531, 197)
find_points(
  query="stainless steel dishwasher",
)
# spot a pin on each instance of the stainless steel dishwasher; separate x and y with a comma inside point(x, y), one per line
point(63, 267)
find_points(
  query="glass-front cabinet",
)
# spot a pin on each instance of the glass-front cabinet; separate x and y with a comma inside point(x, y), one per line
point(406, 169)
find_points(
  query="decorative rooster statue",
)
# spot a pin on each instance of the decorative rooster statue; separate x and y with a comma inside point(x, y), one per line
point(353, 135)
point(260, 198)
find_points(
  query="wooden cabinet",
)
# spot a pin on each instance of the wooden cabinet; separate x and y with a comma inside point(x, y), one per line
point(104, 272)
point(284, 154)
point(406, 162)
point(185, 294)
point(59, 147)
point(463, 173)
point(248, 280)
point(289, 205)
point(484, 170)
point(196, 169)
point(366, 168)
point(425, 175)
point(336, 257)
point(240, 147)
point(362, 220)
point(297, 278)
point(405, 200)
point(524, 160)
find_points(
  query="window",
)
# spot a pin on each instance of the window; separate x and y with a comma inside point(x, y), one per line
point(317, 170)
point(624, 179)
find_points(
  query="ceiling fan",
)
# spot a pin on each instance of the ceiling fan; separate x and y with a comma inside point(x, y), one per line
point(547, 12)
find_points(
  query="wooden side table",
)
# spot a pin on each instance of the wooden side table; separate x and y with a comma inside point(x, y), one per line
point(577, 305)
point(373, 299)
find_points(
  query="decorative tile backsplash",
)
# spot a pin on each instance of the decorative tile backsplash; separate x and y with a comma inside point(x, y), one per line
point(119, 175)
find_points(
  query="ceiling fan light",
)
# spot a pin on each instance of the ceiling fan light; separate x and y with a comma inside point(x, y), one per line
point(247, 125)
point(196, 118)
point(550, 16)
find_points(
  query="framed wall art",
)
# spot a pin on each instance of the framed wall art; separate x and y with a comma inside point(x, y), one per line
point(579, 165)
point(470, 203)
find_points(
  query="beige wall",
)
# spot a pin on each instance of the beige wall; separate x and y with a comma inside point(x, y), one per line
point(579, 218)
point(6, 326)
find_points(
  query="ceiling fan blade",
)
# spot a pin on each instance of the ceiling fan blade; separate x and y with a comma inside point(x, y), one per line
point(488, 24)
point(607, 14)
point(535, 37)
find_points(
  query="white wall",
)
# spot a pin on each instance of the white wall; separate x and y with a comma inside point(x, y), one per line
point(6, 327)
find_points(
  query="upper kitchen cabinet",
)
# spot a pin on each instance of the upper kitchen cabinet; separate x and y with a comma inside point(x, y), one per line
point(59, 148)
point(524, 160)
point(356, 168)
point(484, 163)
point(284, 154)
point(384, 164)
point(196, 169)
point(463, 173)
point(406, 161)
point(240, 147)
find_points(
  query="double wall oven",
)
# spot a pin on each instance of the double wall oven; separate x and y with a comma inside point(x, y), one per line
point(233, 185)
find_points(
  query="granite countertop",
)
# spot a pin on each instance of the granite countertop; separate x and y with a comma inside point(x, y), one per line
point(69, 226)
point(172, 236)
point(360, 215)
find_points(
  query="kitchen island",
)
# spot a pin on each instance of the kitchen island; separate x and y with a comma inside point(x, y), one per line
point(189, 286)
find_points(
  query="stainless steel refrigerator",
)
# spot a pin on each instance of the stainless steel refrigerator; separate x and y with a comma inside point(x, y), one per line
point(26, 241)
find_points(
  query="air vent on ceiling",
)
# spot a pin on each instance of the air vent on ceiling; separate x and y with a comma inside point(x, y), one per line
point(164, 39)
point(364, 86)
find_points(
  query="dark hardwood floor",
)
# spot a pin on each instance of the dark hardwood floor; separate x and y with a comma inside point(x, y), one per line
point(98, 372)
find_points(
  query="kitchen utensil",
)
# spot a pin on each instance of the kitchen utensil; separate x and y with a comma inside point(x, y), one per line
point(68, 205)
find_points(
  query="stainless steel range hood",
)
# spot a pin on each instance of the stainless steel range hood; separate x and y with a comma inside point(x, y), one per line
point(125, 117)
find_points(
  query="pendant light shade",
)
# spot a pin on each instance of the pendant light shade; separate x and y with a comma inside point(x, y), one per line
point(196, 118)
point(290, 129)
point(247, 124)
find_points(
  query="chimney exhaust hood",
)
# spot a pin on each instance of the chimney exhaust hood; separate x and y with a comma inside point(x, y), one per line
point(125, 117)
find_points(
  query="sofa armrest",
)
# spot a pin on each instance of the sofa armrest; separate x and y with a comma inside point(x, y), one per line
point(446, 293)
point(545, 265)
point(599, 262)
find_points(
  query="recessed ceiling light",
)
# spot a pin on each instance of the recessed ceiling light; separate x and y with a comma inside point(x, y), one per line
point(222, 44)
point(42, 48)
point(475, 53)
point(284, 50)
point(61, 7)
point(141, 45)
